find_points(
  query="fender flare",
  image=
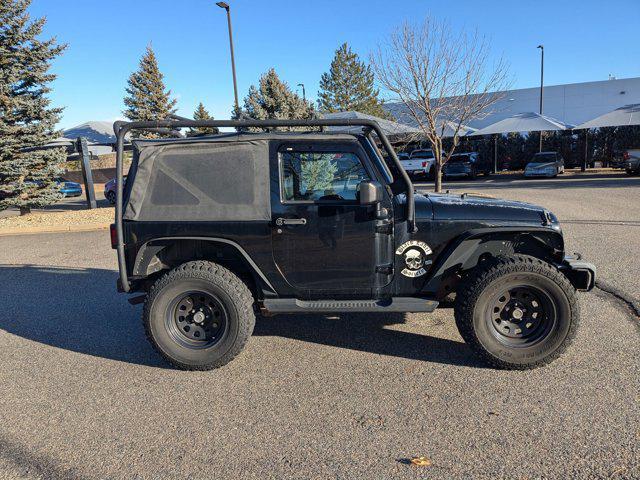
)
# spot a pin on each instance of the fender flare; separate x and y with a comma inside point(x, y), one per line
point(458, 253)
point(147, 252)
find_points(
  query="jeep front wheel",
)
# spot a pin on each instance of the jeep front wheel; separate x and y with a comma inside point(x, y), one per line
point(199, 316)
point(517, 312)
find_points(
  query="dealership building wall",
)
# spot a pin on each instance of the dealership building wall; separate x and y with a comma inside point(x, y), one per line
point(572, 103)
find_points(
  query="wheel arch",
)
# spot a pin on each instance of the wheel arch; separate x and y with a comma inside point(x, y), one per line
point(469, 249)
point(162, 254)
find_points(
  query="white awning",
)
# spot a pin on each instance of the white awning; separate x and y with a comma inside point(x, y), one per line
point(523, 122)
point(623, 116)
point(390, 128)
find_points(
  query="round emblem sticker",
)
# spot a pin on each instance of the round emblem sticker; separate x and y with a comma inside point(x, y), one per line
point(415, 255)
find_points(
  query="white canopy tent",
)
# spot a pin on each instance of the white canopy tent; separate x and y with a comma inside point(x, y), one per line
point(394, 130)
point(620, 117)
point(523, 122)
point(450, 128)
point(520, 122)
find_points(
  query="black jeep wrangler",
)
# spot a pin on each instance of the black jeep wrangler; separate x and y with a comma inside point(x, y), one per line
point(213, 230)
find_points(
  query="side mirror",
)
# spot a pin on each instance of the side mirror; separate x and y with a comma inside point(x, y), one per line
point(370, 192)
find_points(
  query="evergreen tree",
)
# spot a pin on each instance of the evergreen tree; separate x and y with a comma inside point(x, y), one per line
point(27, 177)
point(349, 86)
point(318, 174)
point(147, 99)
point(201, 113)
point(273, 99)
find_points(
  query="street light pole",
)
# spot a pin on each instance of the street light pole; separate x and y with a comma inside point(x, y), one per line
point(233, 62)
point(541, 47)
point(304, 96)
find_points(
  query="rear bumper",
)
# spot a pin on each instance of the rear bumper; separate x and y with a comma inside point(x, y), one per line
point(581, 274)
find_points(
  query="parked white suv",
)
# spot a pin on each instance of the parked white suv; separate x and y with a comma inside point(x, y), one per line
point(420, 163)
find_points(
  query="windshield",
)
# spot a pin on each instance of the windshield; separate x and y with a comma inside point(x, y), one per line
point(459, 158)
point(422, 154)
point(544, 158)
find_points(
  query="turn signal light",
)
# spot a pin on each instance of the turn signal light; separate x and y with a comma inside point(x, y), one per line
point(625, 155)
point(114, 235)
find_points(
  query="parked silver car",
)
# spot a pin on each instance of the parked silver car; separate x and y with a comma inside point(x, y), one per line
point(545, 164)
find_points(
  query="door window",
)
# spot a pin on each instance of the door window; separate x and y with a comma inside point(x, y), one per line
point(320, 176)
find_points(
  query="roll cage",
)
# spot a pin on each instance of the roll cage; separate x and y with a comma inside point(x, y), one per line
point(168, 126)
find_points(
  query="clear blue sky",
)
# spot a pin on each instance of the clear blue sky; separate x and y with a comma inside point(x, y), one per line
point(584, 41)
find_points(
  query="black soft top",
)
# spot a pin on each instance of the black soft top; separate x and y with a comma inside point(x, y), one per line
point(222, 177)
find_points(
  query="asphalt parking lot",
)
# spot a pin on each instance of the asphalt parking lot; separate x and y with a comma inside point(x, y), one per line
point(85, 396)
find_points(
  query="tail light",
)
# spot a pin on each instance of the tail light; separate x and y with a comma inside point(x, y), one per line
point(424, 164)
point(114, 235)
point(625, 155)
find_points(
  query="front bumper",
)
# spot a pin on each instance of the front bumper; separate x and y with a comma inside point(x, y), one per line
point(581, 274)
point(457, 174)
point(541, 173)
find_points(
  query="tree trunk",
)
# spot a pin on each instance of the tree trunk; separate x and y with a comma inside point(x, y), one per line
point(438, 178)
point(25, 210)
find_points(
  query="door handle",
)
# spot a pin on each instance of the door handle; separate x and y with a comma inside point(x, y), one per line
point(290, 221)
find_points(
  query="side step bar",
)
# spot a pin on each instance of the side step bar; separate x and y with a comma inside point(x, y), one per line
point(396, 304)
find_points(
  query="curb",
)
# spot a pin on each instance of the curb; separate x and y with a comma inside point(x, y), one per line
point(89, 227)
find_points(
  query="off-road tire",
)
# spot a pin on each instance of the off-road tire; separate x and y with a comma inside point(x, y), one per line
point(474, 296)
point(212, 279)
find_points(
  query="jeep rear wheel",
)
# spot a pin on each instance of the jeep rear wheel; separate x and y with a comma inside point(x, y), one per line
point(517, 312)
point(199, 316)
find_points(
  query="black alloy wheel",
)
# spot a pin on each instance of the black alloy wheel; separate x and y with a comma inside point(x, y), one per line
point(521, 315)
point(196, 319)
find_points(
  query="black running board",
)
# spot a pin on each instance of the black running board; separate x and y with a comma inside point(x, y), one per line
point(397, 304)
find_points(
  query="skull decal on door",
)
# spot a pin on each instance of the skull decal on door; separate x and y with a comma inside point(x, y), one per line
point(415, 255)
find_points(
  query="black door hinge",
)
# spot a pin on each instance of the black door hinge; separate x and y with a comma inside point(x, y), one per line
point(386, 269)
point(385, 229)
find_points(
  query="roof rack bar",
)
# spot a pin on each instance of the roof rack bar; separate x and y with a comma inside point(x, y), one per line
point(121, 128)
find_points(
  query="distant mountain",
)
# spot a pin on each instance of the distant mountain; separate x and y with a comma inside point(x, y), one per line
point(94, 132)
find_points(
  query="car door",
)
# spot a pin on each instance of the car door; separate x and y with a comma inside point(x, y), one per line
point(323, 240)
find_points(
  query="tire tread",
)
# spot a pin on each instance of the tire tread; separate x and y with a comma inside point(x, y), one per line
point(224, 278)
point(474, 285)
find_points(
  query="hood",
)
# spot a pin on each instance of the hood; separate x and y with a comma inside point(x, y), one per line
point(541, 165)
point(469, 207)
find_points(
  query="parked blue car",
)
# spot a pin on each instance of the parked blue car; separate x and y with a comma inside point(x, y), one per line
point(69, 189)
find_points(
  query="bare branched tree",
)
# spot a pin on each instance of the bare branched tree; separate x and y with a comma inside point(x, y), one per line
point(444, 78)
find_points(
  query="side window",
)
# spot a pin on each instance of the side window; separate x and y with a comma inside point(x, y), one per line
point(317, 176)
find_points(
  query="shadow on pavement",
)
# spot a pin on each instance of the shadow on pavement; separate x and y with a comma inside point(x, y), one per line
point(73, 309)
point(366, 333)
point(79, 310)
